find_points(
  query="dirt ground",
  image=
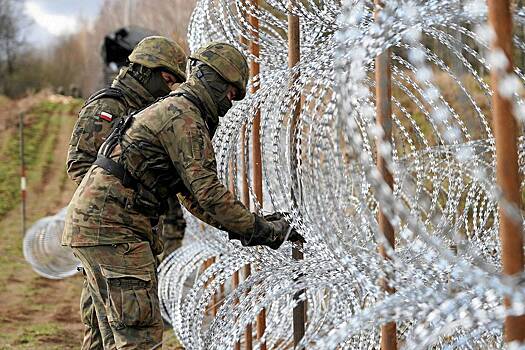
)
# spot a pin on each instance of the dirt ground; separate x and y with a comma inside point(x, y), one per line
point(35, 312)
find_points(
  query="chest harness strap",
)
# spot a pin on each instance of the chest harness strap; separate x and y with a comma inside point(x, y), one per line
point(118, 170)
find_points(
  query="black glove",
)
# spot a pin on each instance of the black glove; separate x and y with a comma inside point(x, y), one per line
point(271, 230)
point(293, 236)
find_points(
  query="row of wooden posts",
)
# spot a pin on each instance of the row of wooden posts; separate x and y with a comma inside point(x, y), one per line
point(505, 130)
point(299, 313)
point(507, 172)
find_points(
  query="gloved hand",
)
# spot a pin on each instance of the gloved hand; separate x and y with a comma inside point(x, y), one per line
point(271, 230)
point(293, 236)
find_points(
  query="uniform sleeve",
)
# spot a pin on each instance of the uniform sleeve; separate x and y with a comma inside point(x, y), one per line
point(191, 204)
point(189, 146)
point(89, 133)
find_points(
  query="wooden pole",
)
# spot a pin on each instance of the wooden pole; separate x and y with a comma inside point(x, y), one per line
point(215, 298)
point(249, 328)
point(507, 172)
point(23, 179)
point(294, 56)
point(256, 139)
point(384, 120)
point(232, 166)
point(235, 284)
point(245, 192)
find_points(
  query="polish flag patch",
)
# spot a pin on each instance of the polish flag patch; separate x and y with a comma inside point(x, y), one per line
point(106, 116)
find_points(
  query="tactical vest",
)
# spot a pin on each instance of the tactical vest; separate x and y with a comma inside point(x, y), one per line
point(147, 200)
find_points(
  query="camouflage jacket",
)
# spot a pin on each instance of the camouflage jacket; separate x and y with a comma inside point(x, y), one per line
point(96, 120)
point(168, 149)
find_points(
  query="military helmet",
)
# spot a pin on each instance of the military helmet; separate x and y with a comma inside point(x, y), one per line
point(160, 52)
point(228, 62)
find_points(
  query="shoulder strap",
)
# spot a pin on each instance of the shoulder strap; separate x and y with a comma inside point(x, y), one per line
point(116, 135)
point(193, 100)
point(118, 170)
point(108, 92)
point(120, 129)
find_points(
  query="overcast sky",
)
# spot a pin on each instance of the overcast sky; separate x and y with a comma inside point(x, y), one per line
point(52, 18)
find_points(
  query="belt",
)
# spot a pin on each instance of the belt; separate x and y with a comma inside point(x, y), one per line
point(148, 200)
point(117, 170)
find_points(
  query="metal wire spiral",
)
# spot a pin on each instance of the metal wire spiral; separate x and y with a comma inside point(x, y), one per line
point(444, 206)
point(42, 248)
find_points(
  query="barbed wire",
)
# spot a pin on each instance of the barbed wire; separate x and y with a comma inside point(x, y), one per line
point(444, 205)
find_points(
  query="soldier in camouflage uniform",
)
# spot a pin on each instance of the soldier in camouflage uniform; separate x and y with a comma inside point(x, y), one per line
point(156, 64)
point(163, 151)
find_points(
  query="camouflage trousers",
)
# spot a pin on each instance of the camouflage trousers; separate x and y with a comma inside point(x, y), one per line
point(172, 227)
point(172, 234)
point(119, 303)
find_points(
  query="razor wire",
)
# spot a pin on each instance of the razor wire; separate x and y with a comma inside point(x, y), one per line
point(43, 251)
point(444, 204)
point(445, 201)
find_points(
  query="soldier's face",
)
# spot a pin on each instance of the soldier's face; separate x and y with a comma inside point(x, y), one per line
point(170, 80)
point(231, 93)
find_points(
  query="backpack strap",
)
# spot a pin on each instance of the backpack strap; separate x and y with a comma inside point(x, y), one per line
point(108, 92)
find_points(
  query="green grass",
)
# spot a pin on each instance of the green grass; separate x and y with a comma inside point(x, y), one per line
point(36, 336)
point(35, 317)
point(3, 100)
point(42, 125)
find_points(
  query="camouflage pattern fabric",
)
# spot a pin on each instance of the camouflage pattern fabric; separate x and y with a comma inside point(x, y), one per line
point(92, 339)
point(91, 129)
point(228, 62)
point(167, 149)
point(172, 228)
point(160, 52)
point(122, 283)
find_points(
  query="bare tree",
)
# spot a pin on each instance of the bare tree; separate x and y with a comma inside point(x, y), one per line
point(75, 59)
point(12, 23)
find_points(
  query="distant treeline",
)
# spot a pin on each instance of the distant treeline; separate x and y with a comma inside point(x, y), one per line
point(74, 61)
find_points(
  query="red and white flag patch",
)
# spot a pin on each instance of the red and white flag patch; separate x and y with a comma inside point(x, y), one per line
point(106, 116)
